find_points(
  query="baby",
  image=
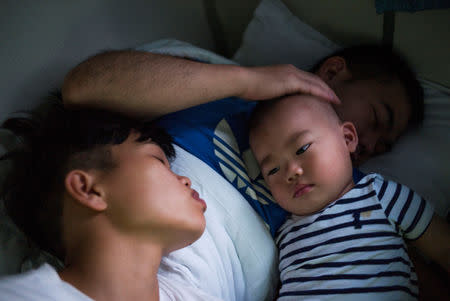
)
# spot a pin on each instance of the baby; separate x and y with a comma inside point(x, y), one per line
point(342, 241)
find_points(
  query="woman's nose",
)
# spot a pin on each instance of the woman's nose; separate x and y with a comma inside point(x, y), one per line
point(185, 180)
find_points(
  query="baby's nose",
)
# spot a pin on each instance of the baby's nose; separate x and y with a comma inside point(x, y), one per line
point(294, 171)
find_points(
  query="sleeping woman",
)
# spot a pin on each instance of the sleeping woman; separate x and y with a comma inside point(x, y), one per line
point(95, 189)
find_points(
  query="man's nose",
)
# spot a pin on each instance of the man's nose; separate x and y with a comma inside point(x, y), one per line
point(371, 145)
point(368, 143)
point(382, 146)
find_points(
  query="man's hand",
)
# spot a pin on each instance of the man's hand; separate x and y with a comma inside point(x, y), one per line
point(274, 81)
point(149, 85)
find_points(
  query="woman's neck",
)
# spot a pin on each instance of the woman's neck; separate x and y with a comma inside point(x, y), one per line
point(114, 269)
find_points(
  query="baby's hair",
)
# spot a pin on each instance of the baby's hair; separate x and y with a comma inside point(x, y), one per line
point(51, 146)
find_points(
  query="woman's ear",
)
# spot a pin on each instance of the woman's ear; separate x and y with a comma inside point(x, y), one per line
point(82, 186)
point(350, 135)
point(333, 70)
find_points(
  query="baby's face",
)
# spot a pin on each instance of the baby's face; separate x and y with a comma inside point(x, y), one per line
point(304, 153)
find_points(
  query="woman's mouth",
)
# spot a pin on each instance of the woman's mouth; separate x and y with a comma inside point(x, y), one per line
point(196, 197)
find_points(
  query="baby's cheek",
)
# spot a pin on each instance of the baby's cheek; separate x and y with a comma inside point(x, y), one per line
point(277, 189)
point(269, 183)
point(279, 195)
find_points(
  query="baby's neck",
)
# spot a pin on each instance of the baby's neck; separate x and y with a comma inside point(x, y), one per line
point(349, 186)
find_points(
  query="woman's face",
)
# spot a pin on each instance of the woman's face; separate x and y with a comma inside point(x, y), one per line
point(146, 198)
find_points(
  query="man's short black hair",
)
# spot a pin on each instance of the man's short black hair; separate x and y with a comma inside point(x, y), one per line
point(53, 145)
point(383, 63)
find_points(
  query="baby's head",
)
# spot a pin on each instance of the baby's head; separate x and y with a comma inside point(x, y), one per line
point(303, 150)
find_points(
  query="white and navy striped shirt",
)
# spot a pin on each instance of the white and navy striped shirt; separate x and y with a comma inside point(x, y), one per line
point(354, 247)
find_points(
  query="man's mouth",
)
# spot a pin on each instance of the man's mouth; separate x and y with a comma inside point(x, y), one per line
point(302, 189)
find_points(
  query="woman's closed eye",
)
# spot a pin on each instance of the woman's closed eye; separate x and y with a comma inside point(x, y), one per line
point(164, 162)
point(302, 149)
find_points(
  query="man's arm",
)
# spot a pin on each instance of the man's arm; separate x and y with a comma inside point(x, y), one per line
point(435, 242)
point(145, 84)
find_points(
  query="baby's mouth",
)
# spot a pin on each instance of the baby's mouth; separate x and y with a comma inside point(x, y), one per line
point(302, 189)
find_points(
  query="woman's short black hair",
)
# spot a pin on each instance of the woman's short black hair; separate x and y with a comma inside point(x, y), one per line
point(62, 140)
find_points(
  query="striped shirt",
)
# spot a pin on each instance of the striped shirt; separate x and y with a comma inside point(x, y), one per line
point(354, 247)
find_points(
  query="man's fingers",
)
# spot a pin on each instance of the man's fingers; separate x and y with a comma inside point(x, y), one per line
point(314, 85)
point(326, 93)
point(273, 81)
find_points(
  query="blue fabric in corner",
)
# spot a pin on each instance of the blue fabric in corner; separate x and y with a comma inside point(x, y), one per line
point(409, 5)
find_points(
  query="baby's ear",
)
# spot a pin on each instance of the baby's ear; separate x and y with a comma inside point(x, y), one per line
point(350, 135)
point(82, 187)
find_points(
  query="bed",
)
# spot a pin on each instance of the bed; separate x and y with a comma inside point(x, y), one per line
point(241, 249)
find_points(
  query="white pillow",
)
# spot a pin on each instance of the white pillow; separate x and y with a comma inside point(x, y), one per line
point(236, 258)
point(276, 36)
point(419, 160)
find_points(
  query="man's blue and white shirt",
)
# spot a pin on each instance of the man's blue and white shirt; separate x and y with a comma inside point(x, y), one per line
point(354, 248)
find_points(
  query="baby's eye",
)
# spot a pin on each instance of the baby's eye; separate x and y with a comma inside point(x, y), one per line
point(273, 171)
point(302, 149)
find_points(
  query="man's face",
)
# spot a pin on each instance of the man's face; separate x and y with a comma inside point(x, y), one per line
point(145, 198)
point(379, 110)
point(303, 154)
